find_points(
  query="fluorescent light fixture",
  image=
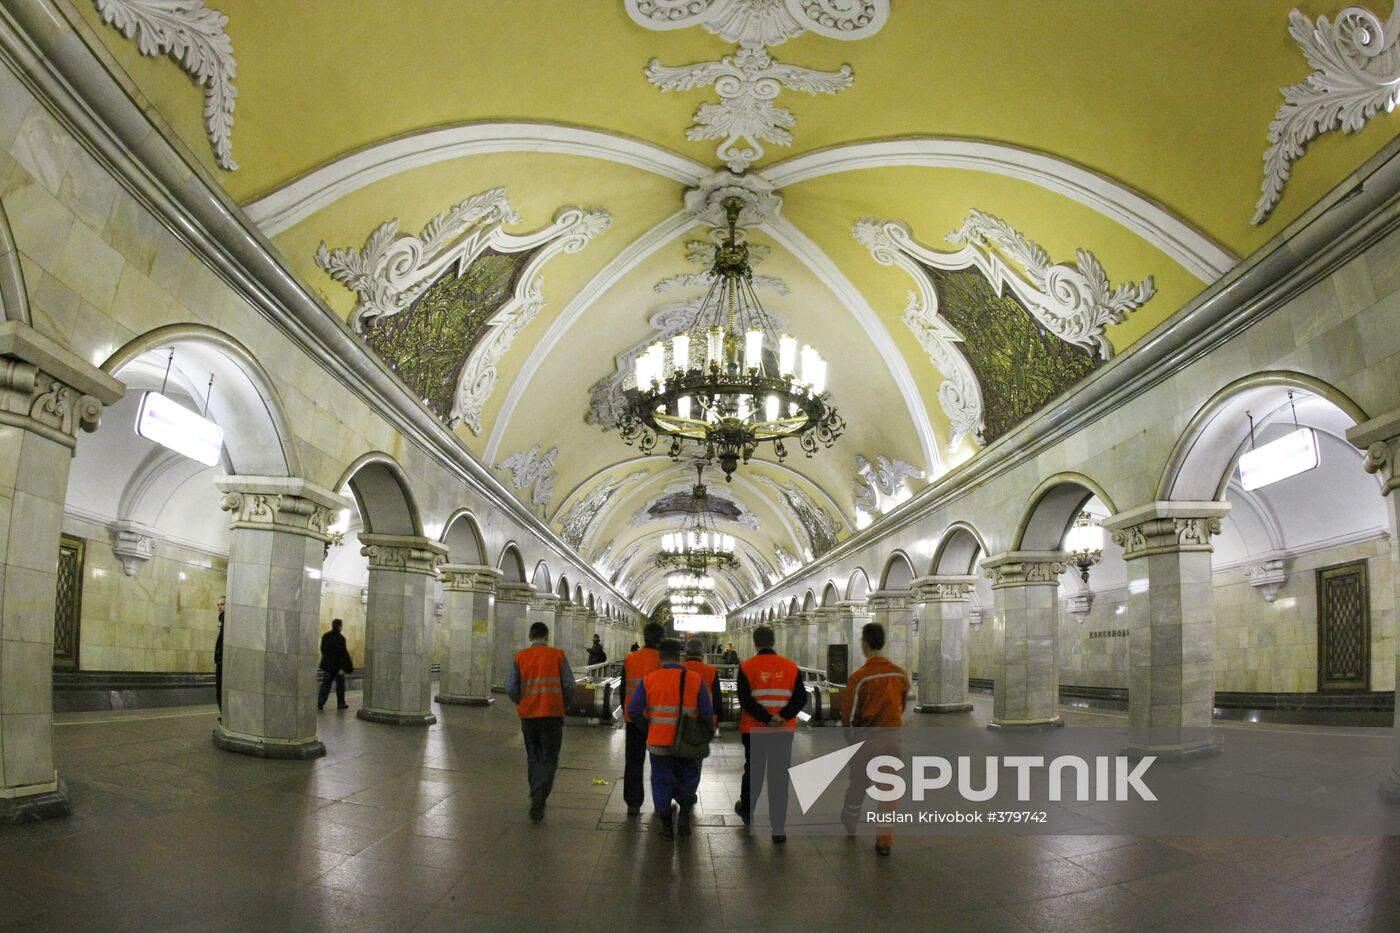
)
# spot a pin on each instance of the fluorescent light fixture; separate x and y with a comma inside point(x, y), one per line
point(170, 424)
point(702, 622)
point(1290, 455)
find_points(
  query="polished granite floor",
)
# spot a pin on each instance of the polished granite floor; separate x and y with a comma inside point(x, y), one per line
point(425, 829)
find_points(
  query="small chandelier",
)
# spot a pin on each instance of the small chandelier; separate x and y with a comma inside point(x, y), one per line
point(1084, 541)
point(722, 386)
point(689, 583)
point(698, 546)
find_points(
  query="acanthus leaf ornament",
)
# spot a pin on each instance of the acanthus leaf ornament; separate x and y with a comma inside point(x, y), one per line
point(884, 478)
point(193, 35)
point(577, 523)
point(1356, 75)
point(530, 467)
point(756, 23)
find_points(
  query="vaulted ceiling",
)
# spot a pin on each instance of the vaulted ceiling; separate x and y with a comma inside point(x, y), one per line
point(1082, 144)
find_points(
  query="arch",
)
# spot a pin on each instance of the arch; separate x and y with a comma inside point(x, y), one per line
point(858, 586)
point(898, 573)
point(830, 595)
point(465, 544)
point(959, 550)
point(511, 564)
point(1052, 509)
point(809, 601)
point(562, 590)
point(578, 594)
point(589, 603)
point(792, 608)
point(1200, 464)
point(14, 295)
point(258, 439)
point(382, 495)
point(540, 579)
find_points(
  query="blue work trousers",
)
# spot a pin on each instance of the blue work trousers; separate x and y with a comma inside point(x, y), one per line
point(675, 779)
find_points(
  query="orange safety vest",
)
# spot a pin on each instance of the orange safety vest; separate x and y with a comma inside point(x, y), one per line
point(541, 694)
point(772, 678)
point(665, 706)
point(707, 675)
point(638, 665)
point(876, 694)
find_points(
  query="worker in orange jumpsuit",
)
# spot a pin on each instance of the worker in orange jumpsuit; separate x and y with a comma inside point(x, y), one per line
point(635, 668)
point(709, 675)
point(541, 685)
point(875, 698)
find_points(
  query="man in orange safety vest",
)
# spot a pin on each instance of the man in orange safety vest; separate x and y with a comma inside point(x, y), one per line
point(771, 694)
point(662, 701)
point(638, 664)
point(541, 685)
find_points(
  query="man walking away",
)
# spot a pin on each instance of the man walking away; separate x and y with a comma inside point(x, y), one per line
point(708, 675)
point(638, 665)
point(874, 698)
point(541, 686)
point(596, 654)
point(219, 662)
point(661, 704)
point(770, 696)
point(335, 664)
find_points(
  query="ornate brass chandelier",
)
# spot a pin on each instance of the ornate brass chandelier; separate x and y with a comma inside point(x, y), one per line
point(697, 547)
point(732, 383)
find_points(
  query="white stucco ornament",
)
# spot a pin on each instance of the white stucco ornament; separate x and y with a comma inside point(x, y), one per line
point(530, 467)
point(1356, 75)
point(756, 23)
point(192, 34)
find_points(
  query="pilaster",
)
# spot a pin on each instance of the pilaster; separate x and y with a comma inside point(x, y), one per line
point(469, 614)
point(46, 395)
point(1025, 596)
point(940, 609)
point(894, 610)
point(399, 628)
point(512, 603)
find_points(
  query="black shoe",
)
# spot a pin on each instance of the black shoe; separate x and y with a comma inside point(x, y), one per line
point(668, 828)
point(882, 850)
point(320, 706)
point(779, 839)
point(743, 812)
point(634, 811)
point(342, 706)
point(683, 823)
point(536, 809)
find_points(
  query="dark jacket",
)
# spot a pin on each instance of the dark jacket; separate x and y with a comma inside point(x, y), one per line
point(730, 657)
point(596, 654)
point(335, 655)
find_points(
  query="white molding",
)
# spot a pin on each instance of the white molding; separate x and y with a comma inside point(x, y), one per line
point(101, 525)
point(882, 480)
point(391, 271)
point(757, 23)
point(528, 467)
point(786, 235)
point(1336, 542)
point(1075, 303)
point(1167, 232)
point(193, 36)
point(317, 189)
point(635, 252)
point(1356, 75)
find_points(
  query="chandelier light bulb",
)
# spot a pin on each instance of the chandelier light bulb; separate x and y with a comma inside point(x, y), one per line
point(770, 408)
point(639, 369)
point(714, 346)
point(818, 376)
point(753, 349)
point(683, 406)
point(680, 352)
point(809, 363)
point(787, 354)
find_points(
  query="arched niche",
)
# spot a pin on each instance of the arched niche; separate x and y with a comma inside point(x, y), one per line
point(463, 538)
point(511, 564)
point(1052, 509)
point(830, 595)
point(958, 552)
point(382, 496)
point(541, 579)
point(809, 601)
point(562, 590)
point(898, 573)
point(858, 587)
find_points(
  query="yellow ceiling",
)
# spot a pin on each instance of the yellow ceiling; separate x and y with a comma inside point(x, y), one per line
point(1170, 100)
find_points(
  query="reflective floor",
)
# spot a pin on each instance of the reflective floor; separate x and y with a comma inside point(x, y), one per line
point(426, 829)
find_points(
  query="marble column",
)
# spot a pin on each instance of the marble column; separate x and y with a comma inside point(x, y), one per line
point(1171, 625)
point(799, 626)
point(469, 621)
point(843, 628)
point(940, 609)
point(542, 608)
point(1380, 438)
point(272, 622)
point(592, 625)
point(566, 631)
point(46, 395)
point(399, 628)
point(1025, 620)
point(822, 622)
point(892, 609)
point(512, 603)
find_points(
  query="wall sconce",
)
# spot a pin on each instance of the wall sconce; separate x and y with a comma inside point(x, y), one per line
point(1085, 544)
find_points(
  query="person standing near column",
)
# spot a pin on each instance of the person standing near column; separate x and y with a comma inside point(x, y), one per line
point(874, 699)
point(541, 686)
point(771, 695)
point(709, 676)
point(638, 664)
point(663, 699)
point(219, 662)
point(335, 664)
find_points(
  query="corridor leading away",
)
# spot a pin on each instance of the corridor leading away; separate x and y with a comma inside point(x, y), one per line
point(401, 829)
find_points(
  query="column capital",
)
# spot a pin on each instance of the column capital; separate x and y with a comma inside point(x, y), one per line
point(280, 503)
point(944, 588)
point(47, 389)
point(513, 592)
point(543, 601)
point(1026, 568)
point(469, 578)
point(1380, 438)
point(1166, 527)
point(884, 600)
point(852, 607)
point(405, 553)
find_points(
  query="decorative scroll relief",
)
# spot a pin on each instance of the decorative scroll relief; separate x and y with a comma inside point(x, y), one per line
point(193, 35)
point(392, 271)
point(36, 401)
point(787, 563)
point(756, 23)
point(577, 523)
point(820, 526)
point(279, 512)
point(1075, 304)
point(884, 478)
point(1167, 535)
point(1356, 75)
point(701, 253)
point(528, 467)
